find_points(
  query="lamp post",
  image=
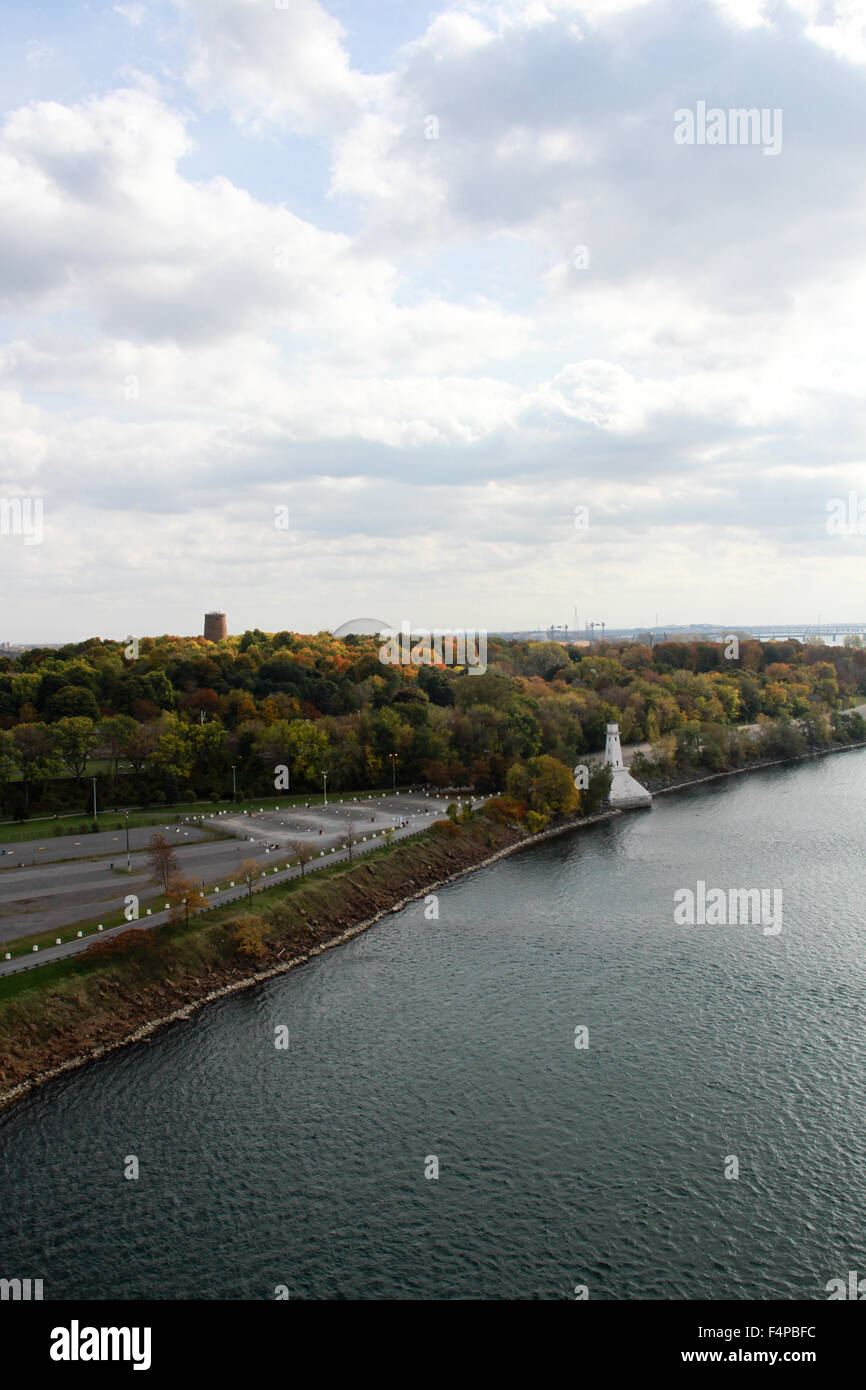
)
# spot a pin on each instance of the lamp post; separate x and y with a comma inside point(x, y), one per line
point(128, 860)
point(234, 783)
point(393, 757)
point(94, 798)
point(325, 785)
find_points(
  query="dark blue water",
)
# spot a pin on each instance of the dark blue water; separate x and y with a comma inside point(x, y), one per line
point(455, 1038)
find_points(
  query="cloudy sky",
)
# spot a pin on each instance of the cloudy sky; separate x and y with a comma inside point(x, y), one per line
point(424, 282)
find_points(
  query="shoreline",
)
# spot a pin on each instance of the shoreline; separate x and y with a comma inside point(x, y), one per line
point(184, 1013)
point(757, 767)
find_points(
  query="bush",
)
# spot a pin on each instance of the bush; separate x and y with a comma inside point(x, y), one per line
point(504, 810)
point(125, 944)
point(249, 937)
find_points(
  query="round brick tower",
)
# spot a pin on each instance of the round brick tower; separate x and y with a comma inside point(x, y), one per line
point(214, 626)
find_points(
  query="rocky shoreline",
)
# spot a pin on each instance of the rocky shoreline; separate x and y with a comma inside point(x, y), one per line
point(658, 788)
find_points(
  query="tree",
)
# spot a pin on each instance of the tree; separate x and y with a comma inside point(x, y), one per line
point(184, 897)
point(249, 870)
point(208, 744)
point(302, 852)
point(250, 937)
point(75, 739)
point(275, 746)
point(8, 760)
point(116, 733)
point(351, 838)
point(161, 859)
point(139, 744)
point(173, 756)
point(309, 747)
point(546, 786)
point(37, 758)
point(73, 701)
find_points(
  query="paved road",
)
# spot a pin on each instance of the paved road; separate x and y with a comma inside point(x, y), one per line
point(419, 810)
point(88, 846)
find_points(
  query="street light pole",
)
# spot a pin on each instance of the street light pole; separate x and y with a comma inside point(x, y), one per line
point(128, 860)
point(234, 783)
point(94, 798)
point(393, 757)
point(325, 785)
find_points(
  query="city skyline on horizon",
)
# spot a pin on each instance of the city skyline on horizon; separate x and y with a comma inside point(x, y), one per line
point(809, 627)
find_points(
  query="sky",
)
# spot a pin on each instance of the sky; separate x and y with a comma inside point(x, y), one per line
point(317, 311)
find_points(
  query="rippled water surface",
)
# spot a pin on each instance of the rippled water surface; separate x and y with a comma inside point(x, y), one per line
point(455, 1038)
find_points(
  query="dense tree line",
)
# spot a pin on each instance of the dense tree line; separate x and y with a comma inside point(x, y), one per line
point(172, 721)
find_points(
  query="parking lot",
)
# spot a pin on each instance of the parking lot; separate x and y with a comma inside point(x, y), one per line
point(48, 885)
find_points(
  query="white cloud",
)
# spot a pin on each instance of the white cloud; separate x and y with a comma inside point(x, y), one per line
point(133, 14)
point(288, 66)
point(436, 378)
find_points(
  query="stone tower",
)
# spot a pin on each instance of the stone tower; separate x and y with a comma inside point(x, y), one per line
point(624, 790)
point(215, 627)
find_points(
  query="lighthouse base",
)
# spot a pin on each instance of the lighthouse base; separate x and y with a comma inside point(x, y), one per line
point(626, 792)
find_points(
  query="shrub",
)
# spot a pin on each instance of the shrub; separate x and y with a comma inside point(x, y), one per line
point(504, 810)
point(126, 944)
point(249, 937)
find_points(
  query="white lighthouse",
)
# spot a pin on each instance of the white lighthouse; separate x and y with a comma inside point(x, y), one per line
point(624, 790)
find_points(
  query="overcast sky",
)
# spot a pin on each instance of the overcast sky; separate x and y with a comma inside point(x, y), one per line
point(429, 279)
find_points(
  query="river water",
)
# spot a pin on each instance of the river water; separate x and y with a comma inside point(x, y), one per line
point(559, 1166)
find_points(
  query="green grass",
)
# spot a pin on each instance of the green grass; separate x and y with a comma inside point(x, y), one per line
point(12, 986)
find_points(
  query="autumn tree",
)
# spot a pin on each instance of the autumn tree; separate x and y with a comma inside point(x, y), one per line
point(249, 938)
point(184, 897)
point(162, 859)
point(249, 871)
